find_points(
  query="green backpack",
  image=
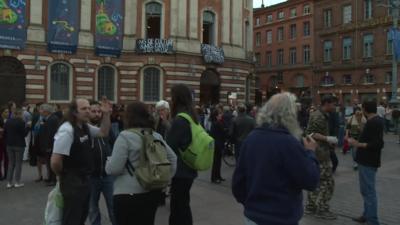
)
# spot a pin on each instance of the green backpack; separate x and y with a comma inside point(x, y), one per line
point(154, 169)
point(199, 155)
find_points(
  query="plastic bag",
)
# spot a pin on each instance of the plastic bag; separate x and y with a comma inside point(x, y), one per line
point(54, 207)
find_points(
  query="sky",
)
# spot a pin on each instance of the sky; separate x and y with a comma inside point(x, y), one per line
point(257, 3)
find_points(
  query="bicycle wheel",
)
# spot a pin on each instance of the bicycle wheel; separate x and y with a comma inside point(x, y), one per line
point(228, 155)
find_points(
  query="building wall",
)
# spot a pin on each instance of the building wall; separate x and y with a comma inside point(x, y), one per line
point(267, 73)
point(182, 22)
point(358, 66)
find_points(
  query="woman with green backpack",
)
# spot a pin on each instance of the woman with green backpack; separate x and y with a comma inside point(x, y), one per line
point(179, 138)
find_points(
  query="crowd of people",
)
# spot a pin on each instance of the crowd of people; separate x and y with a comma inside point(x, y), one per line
point(94, 148)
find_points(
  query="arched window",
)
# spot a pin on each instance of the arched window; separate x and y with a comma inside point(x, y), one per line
point(208, 28)
point(106, 83)
point(300, 81)
point(60, 82)
point(151, 89)
point(153, 20)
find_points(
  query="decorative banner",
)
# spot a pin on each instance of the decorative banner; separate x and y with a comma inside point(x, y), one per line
point(109, 24)
point(395, 36)
point(212, 54)
point(63, 26)
point(163, 46)
point(12, 24)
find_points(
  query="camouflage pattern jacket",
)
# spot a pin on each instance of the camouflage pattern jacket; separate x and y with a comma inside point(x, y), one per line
point(319, 123)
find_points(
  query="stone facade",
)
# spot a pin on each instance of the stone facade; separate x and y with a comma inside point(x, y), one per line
point(181, 24)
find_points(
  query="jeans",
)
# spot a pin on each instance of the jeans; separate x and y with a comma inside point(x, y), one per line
point(367, 187)
point(97, 186)
point(15, 155)
point(247, 221)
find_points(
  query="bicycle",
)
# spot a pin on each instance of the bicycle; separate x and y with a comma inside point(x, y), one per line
point(228, 154)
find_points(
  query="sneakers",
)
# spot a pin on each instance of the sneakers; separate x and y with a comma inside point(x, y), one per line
point(18, 185)
point(309, 210)
point(9, 185)
point(326, 215)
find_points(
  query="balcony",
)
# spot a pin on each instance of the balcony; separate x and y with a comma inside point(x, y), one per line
point(160, 46)
point(212, 54)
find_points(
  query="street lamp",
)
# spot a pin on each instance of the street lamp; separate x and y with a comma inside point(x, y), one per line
point(394, 7)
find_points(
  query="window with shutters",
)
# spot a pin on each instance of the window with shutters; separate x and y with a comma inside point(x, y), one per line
point(347, 46)
point(60, 82)
point(327, 51)
point(368, 45)
point(151, 84)
point(106, 83)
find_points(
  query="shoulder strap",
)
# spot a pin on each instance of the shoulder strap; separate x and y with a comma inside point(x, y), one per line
point(187, 117)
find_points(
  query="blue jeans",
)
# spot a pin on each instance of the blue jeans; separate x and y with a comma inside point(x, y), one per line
point(249, 222)
point(367, 187)
point(97, 186)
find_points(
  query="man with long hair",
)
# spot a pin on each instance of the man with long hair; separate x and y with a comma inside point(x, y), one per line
point(274, 166)
point(72, 158)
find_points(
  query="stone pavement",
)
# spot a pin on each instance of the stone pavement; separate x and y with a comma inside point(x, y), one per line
point(214, 205)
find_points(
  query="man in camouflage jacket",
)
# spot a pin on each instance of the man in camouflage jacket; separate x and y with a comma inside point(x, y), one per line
point(318, 128)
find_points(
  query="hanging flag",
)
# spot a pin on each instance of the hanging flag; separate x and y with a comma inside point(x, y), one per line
point(63, 26)
point(109, 24)
point(12, 24)
point(395, 36)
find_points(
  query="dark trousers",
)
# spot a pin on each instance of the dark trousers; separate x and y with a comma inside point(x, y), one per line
point(335, 160)
point(76, 195)
point(51, 174)
point(181, 214)
point(136, 209)
point(3, 160)
point(216, 168)
point(238, 145)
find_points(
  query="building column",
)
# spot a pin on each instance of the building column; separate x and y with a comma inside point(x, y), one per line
point(36, 31)
point(85, 35)
point(130, 21)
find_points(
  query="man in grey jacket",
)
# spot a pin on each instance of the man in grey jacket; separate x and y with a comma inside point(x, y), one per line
point(242, 125)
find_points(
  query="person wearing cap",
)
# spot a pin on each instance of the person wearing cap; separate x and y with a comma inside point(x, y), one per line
point(163, 122)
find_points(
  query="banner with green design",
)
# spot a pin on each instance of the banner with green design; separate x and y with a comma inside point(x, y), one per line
point(109, 27)
point(12, 24)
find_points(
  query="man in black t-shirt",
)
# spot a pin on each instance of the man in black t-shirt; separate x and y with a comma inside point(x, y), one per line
point(369, 148)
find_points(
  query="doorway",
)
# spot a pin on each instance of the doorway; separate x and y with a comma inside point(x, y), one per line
point(12, 80)
point(209, 88)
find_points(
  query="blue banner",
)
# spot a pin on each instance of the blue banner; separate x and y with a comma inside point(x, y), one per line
point(395, 36)
point(63, 26)
point(109, 24)
point(12, 24)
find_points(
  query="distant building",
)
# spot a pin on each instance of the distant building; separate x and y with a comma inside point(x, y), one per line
point(283, 48)
point(350, 49)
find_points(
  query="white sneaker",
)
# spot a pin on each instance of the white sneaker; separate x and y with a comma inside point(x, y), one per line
point(17, 185)
point(9, 185)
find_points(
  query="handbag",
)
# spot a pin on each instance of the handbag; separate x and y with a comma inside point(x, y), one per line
point(53, 213)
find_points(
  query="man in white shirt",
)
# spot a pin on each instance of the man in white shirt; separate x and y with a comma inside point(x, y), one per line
point(381, 110)
point(72, 158)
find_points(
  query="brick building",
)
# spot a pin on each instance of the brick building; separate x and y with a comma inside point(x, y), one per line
point(204, 44)
point(353, 51)
point(283, 48)
point(350, 49)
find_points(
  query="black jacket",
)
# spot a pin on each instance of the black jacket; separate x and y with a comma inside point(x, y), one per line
point(179, 138)
point(241, 127)
point(102, 148)
point(15, 132)
point(373, 136)
point(47, 130)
